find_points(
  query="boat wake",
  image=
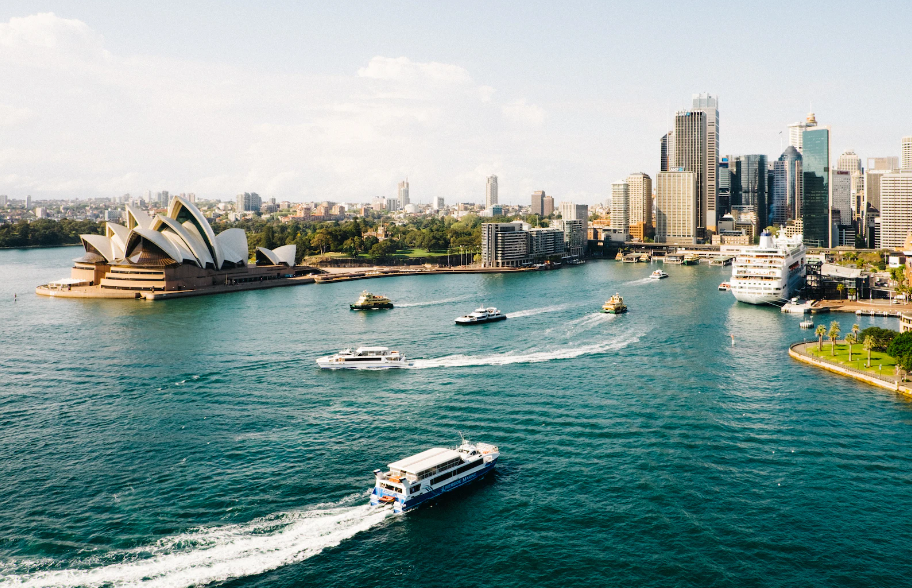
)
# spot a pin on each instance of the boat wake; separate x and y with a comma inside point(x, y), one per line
point(639, 282)
point(535, 311)
point(432, 302)
point(524, 357)
point(215, 554)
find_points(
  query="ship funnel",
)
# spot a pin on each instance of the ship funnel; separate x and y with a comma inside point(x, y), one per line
point(766, 241)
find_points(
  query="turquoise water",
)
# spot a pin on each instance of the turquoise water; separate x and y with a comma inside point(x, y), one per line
point(193, 441)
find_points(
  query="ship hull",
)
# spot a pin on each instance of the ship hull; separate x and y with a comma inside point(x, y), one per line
point(502, 317)
point(417, 500)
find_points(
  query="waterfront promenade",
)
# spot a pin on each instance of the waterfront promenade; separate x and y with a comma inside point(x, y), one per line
point(806, 352)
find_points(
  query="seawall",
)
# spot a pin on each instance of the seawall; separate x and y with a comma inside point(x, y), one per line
point(798, 352)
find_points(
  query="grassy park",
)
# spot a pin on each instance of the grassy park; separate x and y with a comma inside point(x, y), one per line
point(881, 363)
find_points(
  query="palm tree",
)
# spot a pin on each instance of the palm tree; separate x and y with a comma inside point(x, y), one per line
point(868, 346)
point(850, 340)
point(855, 329)
point(840, 288)
point(821, 333)
point(834, 334)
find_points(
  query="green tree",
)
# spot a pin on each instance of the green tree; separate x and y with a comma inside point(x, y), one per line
point(901, 345)
point(834, 334)
point(850, 340)
point(868, 346)
point(322, 240)
point(821, 333)
point(881, 337)
point(855, 329)
point(840, 288)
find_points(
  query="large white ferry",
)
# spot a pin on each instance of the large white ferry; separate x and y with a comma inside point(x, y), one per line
point(428, 474)
point(770, 272)
point(364, 358)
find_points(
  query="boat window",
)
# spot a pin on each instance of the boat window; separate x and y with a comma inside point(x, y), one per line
point(390, 487)
point(442, 477)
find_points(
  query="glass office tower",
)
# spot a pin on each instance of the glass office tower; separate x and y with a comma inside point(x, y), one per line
point(815, 189)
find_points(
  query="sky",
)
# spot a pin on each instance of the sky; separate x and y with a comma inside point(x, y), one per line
point(306, 101)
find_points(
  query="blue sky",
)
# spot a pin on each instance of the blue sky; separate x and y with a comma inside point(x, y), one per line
point(305, 101)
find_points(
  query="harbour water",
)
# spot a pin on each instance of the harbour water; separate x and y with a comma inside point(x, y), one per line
point(193, 441)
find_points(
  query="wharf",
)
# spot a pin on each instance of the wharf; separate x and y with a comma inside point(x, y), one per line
point(392, 272)
point(870, 308)
point(99, 292)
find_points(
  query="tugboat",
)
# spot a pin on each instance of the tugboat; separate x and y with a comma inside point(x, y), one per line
point(615, 305)
point(364, 358)
point(426, 475)
point(658, 275)
point(481, 315)
point(368, 301)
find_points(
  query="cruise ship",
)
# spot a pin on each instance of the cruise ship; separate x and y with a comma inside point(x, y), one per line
point(426, 475)
point(770, 272)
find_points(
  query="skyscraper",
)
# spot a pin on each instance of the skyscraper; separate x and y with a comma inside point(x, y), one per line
point(640, 195)
point(797, 129)
point(676, 207)
point(709, 105)
point(896, 208)
point(849, 162)
point(580, 212)
point(906, 153)
point(785, 191)
point(691, 154)
point(724, 198)
point(667, 145)
point(538, 203)
point(877, 167)
point(403, 193)
point(815, 186)
point(749, 184)
point(547, 206)
point(491, 192)
point(620, 206)
point(438, 203)
point(841, 181)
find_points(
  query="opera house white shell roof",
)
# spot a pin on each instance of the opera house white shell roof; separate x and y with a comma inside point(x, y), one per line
point(181, 236)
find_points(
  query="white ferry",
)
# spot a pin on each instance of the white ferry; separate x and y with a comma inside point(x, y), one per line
point(364, 358)
point(424, 476)
point(481, 315)
point(770, 272)
point(658, 275)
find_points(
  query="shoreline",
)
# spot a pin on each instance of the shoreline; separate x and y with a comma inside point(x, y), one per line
point(797, 351)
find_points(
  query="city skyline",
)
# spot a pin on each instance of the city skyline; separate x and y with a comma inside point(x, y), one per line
point(99, 108)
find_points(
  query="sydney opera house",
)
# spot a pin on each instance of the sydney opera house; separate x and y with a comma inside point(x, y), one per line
point(169, 253)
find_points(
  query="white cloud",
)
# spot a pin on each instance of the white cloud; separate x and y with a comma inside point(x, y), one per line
point(522, 113)
point(99, 123)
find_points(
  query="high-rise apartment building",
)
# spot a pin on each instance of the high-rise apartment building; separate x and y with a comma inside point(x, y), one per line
point(815, 186)
point(858, 192)
point(547, 206)
point(404, 193)
point(709, 105)
point(849, 162)
point(28, 202)
point(491, 192)
point(785, 190)
point(691, 154)
point(640, 191)
point(248, 202)
point(580, 212)
point(877, 167)
point(4, 201)
point(724, 198)
point(620, 206)
point(438, 203)
point(504, 244)
point(677, 203)
point(896, 208)
point(906, 154)
point(841, 182)
point(538, 203)
point(667, 145)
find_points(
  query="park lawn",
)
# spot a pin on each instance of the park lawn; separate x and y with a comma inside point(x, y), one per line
point(421, 253)
point(859, 357)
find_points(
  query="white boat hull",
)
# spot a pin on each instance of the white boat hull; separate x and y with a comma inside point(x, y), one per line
point(326, 364)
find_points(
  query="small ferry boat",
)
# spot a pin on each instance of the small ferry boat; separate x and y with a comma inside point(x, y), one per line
point(368, 301)
point(725, 287)
point(658, 275)
point(426, 475)
point(615, 305)
point(619, 256)
point(691, 259)
point(364, 358)
point(481, 315)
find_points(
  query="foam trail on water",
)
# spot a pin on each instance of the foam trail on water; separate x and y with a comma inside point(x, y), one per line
point(432, 302)
point(215, 554)
point(524, 357)
point(639, 282)
point(534, 311)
